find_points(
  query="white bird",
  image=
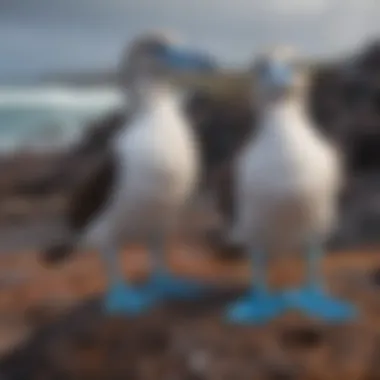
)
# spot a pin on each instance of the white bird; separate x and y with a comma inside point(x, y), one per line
point(287, 181)
point(145, 178)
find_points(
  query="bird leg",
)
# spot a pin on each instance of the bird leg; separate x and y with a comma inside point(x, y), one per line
point(260, 305)
point(163, 283)
point(122, 297)
point(312, 298)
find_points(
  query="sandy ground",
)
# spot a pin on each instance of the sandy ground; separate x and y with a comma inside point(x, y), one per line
point(52, 325)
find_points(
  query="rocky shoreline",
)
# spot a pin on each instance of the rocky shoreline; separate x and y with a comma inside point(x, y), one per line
point(344, 100)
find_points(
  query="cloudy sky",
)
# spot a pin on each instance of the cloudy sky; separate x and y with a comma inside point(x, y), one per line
point(40, 36)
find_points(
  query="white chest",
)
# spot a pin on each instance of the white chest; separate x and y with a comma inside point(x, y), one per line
point(289, 158)
point(159, 149)
point(287, 181)
point(157, 173)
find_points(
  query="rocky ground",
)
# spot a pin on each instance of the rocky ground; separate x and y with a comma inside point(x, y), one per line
point(52, 325)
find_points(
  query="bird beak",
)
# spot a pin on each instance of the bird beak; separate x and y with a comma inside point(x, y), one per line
point(183, 59)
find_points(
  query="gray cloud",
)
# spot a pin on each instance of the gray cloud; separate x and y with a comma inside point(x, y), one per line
point(38, 36)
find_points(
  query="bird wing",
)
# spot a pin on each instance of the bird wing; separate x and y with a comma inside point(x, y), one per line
point(91, 193)
point(88, 172)
point(71, 168)
point(86, 199)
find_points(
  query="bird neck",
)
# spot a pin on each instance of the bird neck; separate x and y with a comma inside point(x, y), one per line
point(283, 107)
point(147, 93)
point(284, 117)
point(285, 104)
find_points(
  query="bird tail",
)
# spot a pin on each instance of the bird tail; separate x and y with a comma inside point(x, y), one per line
point(59, 252)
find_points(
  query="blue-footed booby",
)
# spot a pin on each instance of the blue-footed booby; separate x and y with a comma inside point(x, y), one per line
point(143, 180)
point(287, 180)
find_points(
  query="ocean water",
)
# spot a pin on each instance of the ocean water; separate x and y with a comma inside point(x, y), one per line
point(46, 117)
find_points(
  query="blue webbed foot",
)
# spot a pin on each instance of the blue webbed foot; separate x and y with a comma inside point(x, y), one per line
point(171, 287)
point(129, 300)
point(256, 308)
point(314, 302)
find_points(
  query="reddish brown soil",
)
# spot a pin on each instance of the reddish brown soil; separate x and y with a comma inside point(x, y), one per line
point(52, 325)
